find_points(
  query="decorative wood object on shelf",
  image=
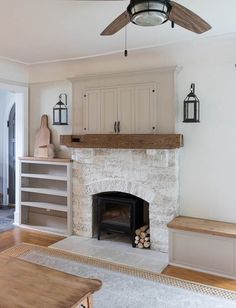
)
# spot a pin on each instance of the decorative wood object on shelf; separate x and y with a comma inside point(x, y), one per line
point(43, 147)
point(134, 141)
point(45, 194)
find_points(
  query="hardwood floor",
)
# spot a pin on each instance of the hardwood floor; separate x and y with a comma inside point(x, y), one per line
point(216, 281)
point(19, 235)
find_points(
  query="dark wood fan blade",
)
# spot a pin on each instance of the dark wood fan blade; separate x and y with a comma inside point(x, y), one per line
point(117, 24)
point(95, 0)
point(187, 19)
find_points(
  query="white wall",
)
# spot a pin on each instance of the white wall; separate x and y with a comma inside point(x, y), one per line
point(208, 160)
point(13, 72)
point(208, 165)
point(42, 99)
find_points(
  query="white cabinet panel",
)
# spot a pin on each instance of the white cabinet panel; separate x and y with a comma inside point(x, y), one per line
point(207, 253)
point(122, 109)
point(145, 109)
point(108, 110)
point(126, 110)
point(92, 112)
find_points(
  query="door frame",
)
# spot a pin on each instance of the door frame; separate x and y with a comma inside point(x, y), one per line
point(6, 151)
point(11, 171)
point(20, 98)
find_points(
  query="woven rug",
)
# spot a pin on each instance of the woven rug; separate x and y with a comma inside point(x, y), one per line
point(6, 224)
point(125, 287)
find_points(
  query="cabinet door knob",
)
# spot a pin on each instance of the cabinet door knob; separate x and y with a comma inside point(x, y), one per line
point(118, 127)
point(115, 126)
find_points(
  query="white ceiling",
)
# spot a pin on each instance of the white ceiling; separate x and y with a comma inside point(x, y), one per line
point(33, 31)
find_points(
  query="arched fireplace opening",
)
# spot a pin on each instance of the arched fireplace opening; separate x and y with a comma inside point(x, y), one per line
point(123, 214)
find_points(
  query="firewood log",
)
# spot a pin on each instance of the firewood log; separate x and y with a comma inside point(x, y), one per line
point(146, 244)
point(137, 232)
point(143, 234)
point(140, 245)
point(144, 228)
point(142, 240)
point(147, 239)
point(137, 238)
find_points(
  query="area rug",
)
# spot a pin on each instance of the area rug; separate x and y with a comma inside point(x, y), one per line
point(6, 224)
point(125, 287)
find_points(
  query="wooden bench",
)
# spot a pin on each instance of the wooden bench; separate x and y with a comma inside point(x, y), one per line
point(205, 245)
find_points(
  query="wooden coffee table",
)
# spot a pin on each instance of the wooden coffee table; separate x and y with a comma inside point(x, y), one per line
point(28, 285)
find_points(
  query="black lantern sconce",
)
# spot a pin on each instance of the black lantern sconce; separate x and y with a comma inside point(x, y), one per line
point(60, 111)
point(191, 107)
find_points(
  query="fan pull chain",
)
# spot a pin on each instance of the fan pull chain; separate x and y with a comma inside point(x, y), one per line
point(126, 51)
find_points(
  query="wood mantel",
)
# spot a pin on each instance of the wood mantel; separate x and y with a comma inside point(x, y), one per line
point(119, 141)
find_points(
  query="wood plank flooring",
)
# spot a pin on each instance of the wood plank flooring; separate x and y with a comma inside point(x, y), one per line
point(190, 275)
point(19, 235)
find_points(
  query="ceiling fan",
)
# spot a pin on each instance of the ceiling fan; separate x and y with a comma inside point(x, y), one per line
point(157, 12)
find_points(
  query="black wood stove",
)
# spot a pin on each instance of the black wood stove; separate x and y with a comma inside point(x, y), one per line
point(119, 213)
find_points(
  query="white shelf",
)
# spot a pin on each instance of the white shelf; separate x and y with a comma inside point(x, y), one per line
point(44, 176)
point(45, 205)
point(49, 209)
point(46, 191)
point(58, 231)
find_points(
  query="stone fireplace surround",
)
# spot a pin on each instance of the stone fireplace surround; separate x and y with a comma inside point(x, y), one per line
point(152, 175)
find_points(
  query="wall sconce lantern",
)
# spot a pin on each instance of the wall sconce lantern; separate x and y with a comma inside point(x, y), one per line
point(60, 111)
point(191, 107)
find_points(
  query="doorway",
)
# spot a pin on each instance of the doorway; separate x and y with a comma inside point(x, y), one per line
point(14, 143)
point(11, 156)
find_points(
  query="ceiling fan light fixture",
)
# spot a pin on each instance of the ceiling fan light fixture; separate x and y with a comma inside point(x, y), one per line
point(148, 13)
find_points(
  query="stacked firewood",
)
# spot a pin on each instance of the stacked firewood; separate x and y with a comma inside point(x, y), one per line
point(142, 238)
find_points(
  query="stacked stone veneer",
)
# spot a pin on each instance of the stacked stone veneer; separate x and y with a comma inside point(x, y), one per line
point(152, 175)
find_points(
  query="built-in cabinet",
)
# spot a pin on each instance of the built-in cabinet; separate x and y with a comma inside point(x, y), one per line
point(45, 195)
point(128, 109)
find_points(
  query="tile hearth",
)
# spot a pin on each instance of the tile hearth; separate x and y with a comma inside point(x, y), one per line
point(112, 249)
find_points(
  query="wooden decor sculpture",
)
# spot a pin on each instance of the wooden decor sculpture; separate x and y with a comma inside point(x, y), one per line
point(43, 147)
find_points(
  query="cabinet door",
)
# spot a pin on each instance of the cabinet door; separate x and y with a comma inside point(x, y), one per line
point(125, 98)
point(145, 109)
point(92, 112)
point(108, 110)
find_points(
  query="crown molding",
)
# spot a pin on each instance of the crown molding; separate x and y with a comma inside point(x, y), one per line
point(14, 83)
point(126, 73)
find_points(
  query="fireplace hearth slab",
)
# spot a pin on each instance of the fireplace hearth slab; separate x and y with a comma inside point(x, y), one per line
point(111, 249)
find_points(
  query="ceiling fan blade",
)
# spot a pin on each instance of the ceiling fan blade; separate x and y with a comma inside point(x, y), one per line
point(187, 19)
point(96, 0)
point(119, 23)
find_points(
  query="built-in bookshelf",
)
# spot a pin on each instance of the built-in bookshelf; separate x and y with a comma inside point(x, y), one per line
point(45, 194)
